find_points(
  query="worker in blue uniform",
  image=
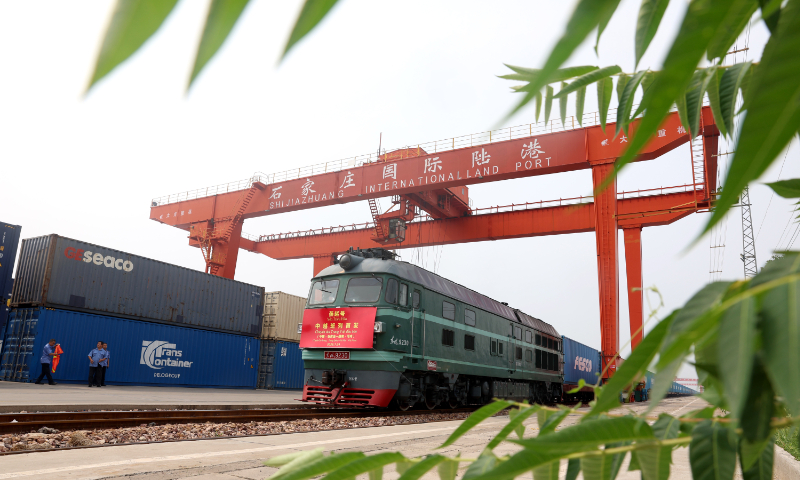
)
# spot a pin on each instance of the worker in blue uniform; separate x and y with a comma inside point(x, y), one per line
point(95, 356)
point(48, 353)
point(104, 365)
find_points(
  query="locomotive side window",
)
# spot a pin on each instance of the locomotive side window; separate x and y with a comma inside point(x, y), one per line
point(448, 310)
point(518, 353)
point(555, 345)
point(415, 299)
point(391, 291)
point(469, 318)
point(363, 290)
point(448, 337)
point(493, 350)
point(469, 342)
point(499, 348)
point(528, 355)
point(550, 343)
point(403, 295)
point(538, 339)
point(323, 292)
point(518, 333)
point(538, 358)
point(528, 337)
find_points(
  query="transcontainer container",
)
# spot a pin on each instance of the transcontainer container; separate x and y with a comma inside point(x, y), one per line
point(9, 240)
point(281, 365)
point(283, 312)
point(141, 353)
point(60, 272)
point(580, 362)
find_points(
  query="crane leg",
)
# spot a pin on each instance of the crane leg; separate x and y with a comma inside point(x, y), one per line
point(605, 214)
point(633, 267)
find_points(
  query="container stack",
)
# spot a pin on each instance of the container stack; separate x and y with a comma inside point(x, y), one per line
point(281, 363)
point(165, 325)
point(9, 240)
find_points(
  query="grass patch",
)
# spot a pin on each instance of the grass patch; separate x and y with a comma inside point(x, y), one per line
point(788, 440)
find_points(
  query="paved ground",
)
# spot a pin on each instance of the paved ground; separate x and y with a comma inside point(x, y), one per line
point(15, 397)
point(236, 459)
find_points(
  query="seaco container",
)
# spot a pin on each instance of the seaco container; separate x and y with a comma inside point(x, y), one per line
point(580, 361)
point(9, 240)
point(281, 365)
point(60, 272)
point(141, 353)
point(283, 312)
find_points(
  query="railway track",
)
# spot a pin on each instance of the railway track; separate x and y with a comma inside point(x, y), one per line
point(31, 422)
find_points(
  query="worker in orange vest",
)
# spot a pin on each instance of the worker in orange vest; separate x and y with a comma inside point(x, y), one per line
point(48, 354)
point(57, 357)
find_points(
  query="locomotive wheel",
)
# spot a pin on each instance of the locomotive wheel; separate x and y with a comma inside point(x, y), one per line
point(452, 401)
point(430, 403)
point(402, 405)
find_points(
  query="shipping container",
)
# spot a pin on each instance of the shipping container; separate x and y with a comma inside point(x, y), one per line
point(283, 312)
point(281, 365)
point(9, 240)
point(141, 353)
point(580, 362)
point(63, 273)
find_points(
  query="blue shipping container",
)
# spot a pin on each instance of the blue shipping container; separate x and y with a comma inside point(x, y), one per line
point(580, 361)
point(9, 240)
point(142, 353)
point(281, 365)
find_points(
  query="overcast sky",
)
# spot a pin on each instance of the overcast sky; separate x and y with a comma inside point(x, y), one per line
point(87, 166)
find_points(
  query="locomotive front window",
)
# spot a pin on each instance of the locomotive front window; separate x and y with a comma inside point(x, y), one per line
point(415, 299)
point(323, 292)
point(363, 290)
point(469, 318)
point(391, 291)
point(448, 310)
point(403, 295)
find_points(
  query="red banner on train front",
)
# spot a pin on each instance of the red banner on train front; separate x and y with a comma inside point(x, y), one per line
point(338, 327)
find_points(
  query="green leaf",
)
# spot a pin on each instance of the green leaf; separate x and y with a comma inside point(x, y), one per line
point(547, 472)
point(712, 452)
point(581, 384)
point(532, 74)
point(786, 188)
point(756, 459)
point(633, 368)
point(587, 15)
point(698, 28)
point(423, 467)
point(403, 466)
point(604, 89)
point(694, 98)
point(654, 462)
point(622, 80)
point(549, 421)
point(580, 98)
point(588, 79)
point(222, 16)
point(517, 427)
point(310, 16)
point(513, 425)
point(736, 347)
point(746, 91)
point(647, 82)
point(573, 468)
point(368, 464)
point(626, 102)
point(731, 28)
point(480, 415)
point(548, 103)
point(562, 104)
point(650, 14)
point(590, 434)
point(448, 470)
point(133, 22)
point(485, 463)
point(759, 405)
point(617, 459)
point(663, 380)
point(320, 466)
point(714, 100)
point(780, 314)
point(773, 115)
point(293, 461)
point(597, 467)
point(602, 26)
point(680, 102)
point(729, 86)
point(633, 465)
point(538, 105)
point(376, 474)
point(666, 427)
point(771, 13)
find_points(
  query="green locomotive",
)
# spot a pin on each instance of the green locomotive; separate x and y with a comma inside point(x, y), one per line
point(377, 330)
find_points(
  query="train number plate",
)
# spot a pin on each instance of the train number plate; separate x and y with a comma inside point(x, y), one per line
point(337, 355)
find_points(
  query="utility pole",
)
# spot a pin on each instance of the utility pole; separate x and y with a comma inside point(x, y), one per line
point(748, 255)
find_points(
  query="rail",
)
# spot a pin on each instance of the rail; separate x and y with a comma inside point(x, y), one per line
point(514, 207)
point(464, 141)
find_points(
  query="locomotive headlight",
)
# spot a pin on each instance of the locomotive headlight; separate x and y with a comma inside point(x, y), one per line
point(348, 261)
point(379, 327)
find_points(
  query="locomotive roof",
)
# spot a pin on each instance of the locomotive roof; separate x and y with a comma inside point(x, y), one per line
point(444, 286)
